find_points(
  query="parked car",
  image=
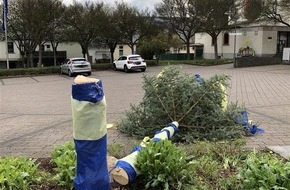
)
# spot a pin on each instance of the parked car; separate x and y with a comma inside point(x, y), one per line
point(74, 66)
point(130, 62)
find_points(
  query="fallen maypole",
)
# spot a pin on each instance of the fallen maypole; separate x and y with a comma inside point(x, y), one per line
point(125, 171)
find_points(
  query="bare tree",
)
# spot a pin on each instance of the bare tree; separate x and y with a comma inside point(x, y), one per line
point(181, 18)
point(28, 25)
point(277, 11)
point(84, 23)
point(113, 32)
point(55, 32)
point(133, 23)
point(213, 18)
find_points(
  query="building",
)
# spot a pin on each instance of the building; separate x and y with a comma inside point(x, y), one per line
point(64, 50)
point(259, 40)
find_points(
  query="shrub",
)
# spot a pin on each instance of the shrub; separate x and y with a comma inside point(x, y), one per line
point(45, 70)
point(163, 166)
point(64, 160)
point(29, 71)
point(102, 66)
point(19, 173)
point(264, 171)
point(215, 164)
point(151, 63)
point(116, 150)
point(199, 62)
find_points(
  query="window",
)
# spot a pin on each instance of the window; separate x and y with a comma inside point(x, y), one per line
point(121, 51)
point(226, 38)
point(175, 50)
point(10, 47)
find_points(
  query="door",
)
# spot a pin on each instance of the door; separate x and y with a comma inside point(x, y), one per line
point(64, 66)
point(283, 41)
point(120, 62)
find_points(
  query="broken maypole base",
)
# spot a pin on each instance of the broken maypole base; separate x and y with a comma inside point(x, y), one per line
point(120, 176)
point(125, 171)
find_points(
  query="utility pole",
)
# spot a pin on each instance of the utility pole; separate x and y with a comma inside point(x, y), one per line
point(232, 15)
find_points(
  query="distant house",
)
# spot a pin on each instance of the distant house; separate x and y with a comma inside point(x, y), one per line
point(259, 40)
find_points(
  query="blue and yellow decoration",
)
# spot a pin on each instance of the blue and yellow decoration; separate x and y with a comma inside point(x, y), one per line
point(125, 171)
point(90, 134)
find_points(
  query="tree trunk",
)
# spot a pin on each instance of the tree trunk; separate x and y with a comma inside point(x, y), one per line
point(88, 54)
point(157, 58)
point(132, 48)
point(84, 51)
point(112, 54)
point(54, 48)
point(39, 64)
point(188, 50)
point(30, 60)
point(215, 47)
point(112, 44)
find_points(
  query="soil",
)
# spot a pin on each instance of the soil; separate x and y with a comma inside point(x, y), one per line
point(46, 165)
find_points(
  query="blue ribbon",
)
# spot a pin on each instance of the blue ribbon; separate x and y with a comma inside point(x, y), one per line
point(91, 92)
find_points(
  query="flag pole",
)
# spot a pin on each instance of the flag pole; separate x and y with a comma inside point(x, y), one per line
point(6, 41)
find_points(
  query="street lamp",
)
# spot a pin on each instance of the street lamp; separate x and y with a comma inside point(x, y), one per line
point(232, 15)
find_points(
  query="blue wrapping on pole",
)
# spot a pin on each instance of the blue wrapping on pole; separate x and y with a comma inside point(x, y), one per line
point(92, 170)
point(243, 120)
point(90, 134)
point(131, 172)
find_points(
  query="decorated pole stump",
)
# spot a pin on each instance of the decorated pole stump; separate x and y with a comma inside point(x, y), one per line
point(125, 171)
point(90, 134)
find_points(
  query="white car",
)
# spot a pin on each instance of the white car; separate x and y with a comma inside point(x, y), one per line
point(130, 62)
point(74, 66)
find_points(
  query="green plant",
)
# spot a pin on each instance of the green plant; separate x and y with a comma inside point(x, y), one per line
point(163, 166)
point(29, 71)
point(116, 150)
point(265, 171)
point(215, 163)
point(200, 62)
point(64, 159)
point(102, 66)
point(19, 173)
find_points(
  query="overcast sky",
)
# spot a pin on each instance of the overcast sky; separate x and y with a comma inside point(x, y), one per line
point(141, 4)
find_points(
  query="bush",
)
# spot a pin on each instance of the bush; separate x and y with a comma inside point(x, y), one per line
point(102, 66)
point(163, 166)
point(151, 63)
point(264, 171)
point(199, 62)
point(29, 71)
point(19, 173)
point(64, 160)
point(45, 70)
point(198, 166)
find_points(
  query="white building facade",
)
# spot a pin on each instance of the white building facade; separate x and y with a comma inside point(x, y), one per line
point(262, 41)
point(64, 50)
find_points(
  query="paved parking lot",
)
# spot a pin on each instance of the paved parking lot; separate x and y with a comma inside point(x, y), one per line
point(35, 112)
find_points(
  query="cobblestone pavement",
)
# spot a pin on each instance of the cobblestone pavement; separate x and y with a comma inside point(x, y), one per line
point(35, 112)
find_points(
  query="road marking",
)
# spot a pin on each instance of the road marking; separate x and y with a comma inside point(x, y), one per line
point(34, 79)
point(2, 82)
